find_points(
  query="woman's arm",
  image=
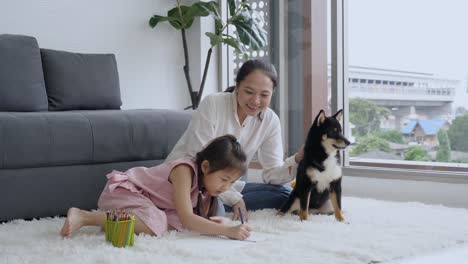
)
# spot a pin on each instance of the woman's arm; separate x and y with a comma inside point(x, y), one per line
point(276, 170)
point(181, 178)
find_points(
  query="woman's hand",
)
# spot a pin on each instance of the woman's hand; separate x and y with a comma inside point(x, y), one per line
point(299, 155)
point(235, 210)
point(240, 232)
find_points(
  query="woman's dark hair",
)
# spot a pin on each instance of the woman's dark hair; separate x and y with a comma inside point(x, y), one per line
point(255, 65)
point(223, 152)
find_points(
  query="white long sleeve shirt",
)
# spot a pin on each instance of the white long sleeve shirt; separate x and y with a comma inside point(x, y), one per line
point(217, 116)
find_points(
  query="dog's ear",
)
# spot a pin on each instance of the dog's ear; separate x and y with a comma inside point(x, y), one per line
point(320, 118)
point(338, 115)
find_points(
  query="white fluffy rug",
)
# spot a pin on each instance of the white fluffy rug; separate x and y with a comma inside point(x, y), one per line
point(378, 231)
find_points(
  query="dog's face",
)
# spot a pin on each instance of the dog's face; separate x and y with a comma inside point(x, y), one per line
point(331, 132)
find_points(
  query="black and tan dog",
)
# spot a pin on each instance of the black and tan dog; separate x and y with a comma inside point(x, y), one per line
point(318, 176)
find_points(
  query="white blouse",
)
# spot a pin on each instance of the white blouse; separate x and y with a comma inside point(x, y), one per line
point(217, 116)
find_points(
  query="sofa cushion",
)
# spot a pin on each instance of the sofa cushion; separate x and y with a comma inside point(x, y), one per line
point(29, 140)
point(77, 81)
point(22, 85)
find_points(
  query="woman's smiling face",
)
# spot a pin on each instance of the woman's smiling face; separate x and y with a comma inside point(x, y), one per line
point(253, 94)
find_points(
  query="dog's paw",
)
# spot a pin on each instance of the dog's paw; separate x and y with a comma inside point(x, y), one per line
point(339, 217)
point(279, 213)
point(303, 215)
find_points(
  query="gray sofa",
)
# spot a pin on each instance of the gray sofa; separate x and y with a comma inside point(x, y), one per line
point(62, 129)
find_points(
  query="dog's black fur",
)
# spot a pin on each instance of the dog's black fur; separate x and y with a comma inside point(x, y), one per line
point(318, 175)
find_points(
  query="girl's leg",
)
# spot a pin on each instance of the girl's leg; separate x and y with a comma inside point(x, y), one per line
point(141, 227)
point(76, 218)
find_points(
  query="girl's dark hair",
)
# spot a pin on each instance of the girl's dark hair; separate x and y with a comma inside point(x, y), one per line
point(253, 65)
point(223, 152)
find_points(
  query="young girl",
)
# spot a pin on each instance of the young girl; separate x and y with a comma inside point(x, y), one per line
point(180, 194)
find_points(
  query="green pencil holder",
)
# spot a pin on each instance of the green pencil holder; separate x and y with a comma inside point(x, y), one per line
point(120, 233)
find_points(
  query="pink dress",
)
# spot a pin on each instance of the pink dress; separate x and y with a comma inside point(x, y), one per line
point(148, 193)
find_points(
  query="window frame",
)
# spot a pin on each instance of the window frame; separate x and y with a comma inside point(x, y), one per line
point(380, 169)
point(401, 170)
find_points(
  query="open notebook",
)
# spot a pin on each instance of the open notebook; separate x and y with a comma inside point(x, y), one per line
point(221, 243)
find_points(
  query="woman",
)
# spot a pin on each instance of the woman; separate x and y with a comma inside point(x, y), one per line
point(244, 113)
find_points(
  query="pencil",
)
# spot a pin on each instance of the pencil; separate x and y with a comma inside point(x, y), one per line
point(240, 215)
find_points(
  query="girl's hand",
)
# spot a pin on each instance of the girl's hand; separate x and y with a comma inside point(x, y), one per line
point(239, 232)
point(235, 210)
point(220, 220)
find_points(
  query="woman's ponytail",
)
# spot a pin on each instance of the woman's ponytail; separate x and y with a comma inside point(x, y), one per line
point(230, 89)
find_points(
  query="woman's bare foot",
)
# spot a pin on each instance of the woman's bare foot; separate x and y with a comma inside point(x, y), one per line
point(73, 222)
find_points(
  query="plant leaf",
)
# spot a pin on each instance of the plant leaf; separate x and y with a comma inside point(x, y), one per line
point(245, 5)
point(183, 18)
point(249, 29)
point(179, 20)
point(218, 26)
point(236, 44)
point(214, 39)
point(156, 19)
point(198, 9)
point(211, 7)
point(232, 7)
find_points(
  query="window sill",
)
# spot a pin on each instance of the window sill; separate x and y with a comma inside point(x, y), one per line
point(405, 173)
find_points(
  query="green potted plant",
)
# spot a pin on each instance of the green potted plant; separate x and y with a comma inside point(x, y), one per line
point(247, 22)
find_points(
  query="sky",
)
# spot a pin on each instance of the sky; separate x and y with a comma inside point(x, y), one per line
point(414, 35)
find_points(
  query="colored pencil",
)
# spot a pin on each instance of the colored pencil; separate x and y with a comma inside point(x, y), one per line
point(240, 215)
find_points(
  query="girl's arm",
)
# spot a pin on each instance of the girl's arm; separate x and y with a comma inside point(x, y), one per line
point(181, 179)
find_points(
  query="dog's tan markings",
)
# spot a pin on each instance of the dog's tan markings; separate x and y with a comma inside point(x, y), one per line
point(293, 184)
point(304, 214)
point(338, 214)
point(279, 213)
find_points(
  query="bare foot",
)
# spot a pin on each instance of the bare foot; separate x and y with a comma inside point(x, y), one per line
point(73, 222)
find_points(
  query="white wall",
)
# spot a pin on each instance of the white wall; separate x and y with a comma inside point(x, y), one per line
point(149, 60)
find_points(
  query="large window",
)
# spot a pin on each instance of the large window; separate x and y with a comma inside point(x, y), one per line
point(407, 71)
point(398, 68)
point(403, 85)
